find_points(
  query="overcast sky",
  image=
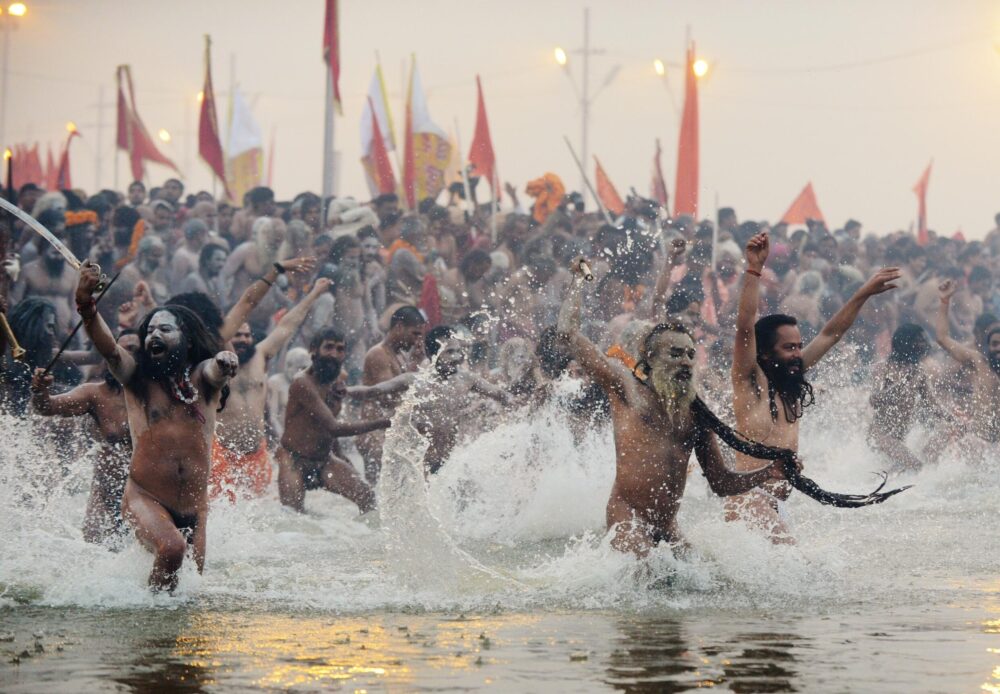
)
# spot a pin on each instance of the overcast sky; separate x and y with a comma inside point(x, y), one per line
point(855, 95)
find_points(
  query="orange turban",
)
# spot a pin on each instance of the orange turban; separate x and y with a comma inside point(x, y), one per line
point(548, 192)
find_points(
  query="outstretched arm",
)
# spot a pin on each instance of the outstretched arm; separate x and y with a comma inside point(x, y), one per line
point(722, 480)
point(326, 421)
point(958, 351)
point(489, 390)
point(881, 281)
point(256, 292)
point(219, 369)
point(382, 390)
point(291, 321)
point(745, 346)
point(120, 362)
point(608, 375)
point(72, 404)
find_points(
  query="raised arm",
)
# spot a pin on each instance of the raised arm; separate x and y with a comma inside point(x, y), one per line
point(382, 390)
point(256, 292)
point(958, 351)
point(658, 307)
point(722, 480)
point(745, 346)
point(72, 404)
point(120, 362)
point(291, 321)
point(610, 376)
point(881, 281)
point(312, 403)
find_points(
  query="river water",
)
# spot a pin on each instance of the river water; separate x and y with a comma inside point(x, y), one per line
point(498, 573)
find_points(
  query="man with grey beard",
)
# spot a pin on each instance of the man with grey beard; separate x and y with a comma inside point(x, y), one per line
point(654, 429)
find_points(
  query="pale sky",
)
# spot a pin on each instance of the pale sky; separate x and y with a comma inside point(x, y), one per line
point(855, 95)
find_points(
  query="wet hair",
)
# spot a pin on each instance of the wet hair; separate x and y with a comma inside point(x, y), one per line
point(679, 302)
point(367, 232)
point(553, 358)
point(202, 306)
point(27, 321)
point(202, 344)
point(410, 316)
point(325, 335)
point(206, 253)
point(435, 337)
point(125, 217)
point(909, 344)
point(260, 195)
point(390, 219)
point(795, 394)
point(341, 246)
point(642, 367)
point(471, 258)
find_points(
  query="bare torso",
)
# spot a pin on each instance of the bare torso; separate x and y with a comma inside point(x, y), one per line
point(303, 435)
point(241, 424)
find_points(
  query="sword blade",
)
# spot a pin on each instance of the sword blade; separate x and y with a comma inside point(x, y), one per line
point(42, 231)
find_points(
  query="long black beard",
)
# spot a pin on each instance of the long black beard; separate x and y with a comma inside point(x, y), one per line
point(164, 369)
point(245, 354)
point(54, 266)
point(326, 369)
point(795, 393)
point(708, 421)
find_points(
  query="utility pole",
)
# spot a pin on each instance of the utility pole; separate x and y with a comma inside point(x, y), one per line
point(100, 138)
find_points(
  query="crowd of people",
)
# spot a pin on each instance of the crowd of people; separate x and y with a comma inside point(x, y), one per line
point(228, 347)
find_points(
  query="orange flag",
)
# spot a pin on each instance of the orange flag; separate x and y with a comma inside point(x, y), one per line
point(381, 165)
point(331, 47)
point(209, 144)
point(803, 207)
point(658, 186)
point(481, 154)
point(686, 187)
point(132, 135)
point(606, 192)
point(50, 169)
point(63, 181)
point(921, 190)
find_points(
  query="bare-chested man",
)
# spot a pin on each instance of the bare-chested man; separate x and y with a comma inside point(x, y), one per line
point(388, 359)
point(985, 365)
point(654, 430)
point(48, 277)
point(240, 463)
point(439, 417)
point(770, 391)
point(105, 403)
point(309, 456)
point(173, 387)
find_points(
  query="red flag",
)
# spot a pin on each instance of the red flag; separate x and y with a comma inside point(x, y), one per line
point(51, 172)
point(921, 190)
point(63, 181)
point(958, 236)
point(658, 186)
point(209, 143)
point(481, 154)
point(132, 135)
point(331, 48)
point(33, 166)
point(18, 153)
point(381, 165)
point(606, 192)
point(803, 207)
point(686, 187)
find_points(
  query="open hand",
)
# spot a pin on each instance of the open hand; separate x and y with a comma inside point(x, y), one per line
point(299, 265)
point(881, 281)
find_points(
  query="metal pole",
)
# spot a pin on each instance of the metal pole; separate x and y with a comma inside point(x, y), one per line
point(585, 99)
point(100, 137)
point(465, 171)
point(328, 141)
point(586, 182)
point(3, 88)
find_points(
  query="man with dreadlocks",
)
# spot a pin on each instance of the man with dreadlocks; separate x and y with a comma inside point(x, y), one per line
point(770, 391)
point(173, 387)
point(655, 429)
point(985, 364)
point(105, 403)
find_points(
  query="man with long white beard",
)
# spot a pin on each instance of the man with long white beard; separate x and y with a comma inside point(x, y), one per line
point(770, 390)
point(240, 463)
point(173, 388)
point(985, 365)
point(654, 428)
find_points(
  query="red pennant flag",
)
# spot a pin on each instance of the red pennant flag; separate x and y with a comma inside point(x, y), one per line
point(331, 48)
point(921, 190)
point(481, 154)
point(606, 192)
point(686, 187)
point(18, 153)
point(381, 164)
point(63, 181)
point(51, 172)
point(658, 186)
point(132, 134)
point(803, 207)
point(209, 143)
point(33, 166)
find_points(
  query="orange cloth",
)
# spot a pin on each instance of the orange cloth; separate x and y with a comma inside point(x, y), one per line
point(548, 192)
point(400, 245)
point(138, 231)
point(250, 474)
point(616, 352)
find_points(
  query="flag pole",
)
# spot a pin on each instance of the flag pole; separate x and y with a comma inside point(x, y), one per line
point(495, 203)
point(715, 233)
point(328, 140)
point(464, 170)
point(586, 180)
